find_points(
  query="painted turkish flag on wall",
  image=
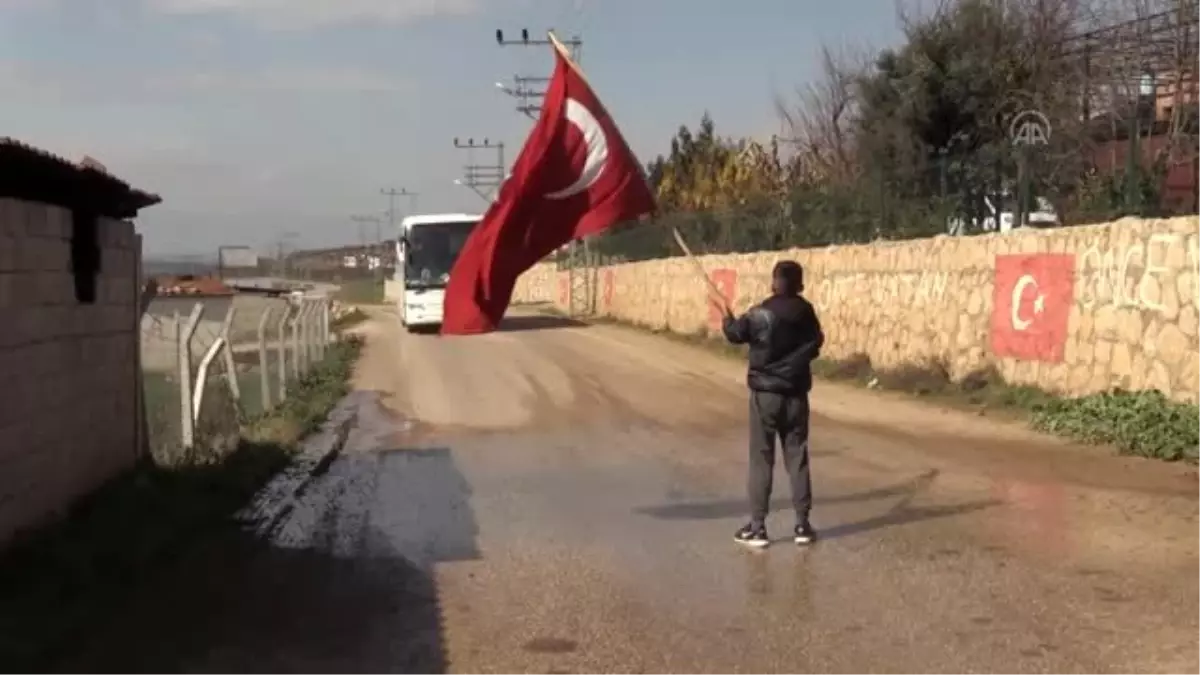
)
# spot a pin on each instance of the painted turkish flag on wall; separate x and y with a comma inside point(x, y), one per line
point(575, 176)
point(608, 291)
point(1033, 297)
point(726, 282)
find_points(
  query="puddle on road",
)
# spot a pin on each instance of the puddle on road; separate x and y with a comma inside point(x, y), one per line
point(1037, 520)
point(379, 428)
point(386, 491)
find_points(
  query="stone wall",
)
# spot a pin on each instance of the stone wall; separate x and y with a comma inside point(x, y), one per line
point(1073, 310)
point(536, 285)
point(69, 402)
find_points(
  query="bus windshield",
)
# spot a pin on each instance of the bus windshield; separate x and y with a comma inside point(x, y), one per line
point(431, 251)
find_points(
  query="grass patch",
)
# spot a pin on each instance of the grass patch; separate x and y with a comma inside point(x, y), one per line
point(303, 412)
point(59, 582)
point(1145, 423)
point(981, 390)
point(360, 292)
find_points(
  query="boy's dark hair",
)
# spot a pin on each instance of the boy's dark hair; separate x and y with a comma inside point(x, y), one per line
point(791, 274)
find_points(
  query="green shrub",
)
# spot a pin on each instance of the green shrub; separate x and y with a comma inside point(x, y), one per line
point(1143, 423)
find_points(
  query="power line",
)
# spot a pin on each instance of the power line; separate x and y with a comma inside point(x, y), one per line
point(529, 98)
point(525, 94)
point(1152, 37)
point(1127, 58)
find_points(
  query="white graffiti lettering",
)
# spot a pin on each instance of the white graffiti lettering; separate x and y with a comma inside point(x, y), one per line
point(907, 288)
point(1104, 277)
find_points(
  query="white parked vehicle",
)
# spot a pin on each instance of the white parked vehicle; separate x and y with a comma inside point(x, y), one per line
point(426, 249)
point(1043, 215)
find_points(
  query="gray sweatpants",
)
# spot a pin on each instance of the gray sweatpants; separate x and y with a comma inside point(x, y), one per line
point(785, 417)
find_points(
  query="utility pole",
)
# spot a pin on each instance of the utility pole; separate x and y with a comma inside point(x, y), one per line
point(391, 194)
point(525, 94)
point(282, 253)
point(529, 103)
point(362, 229)
point(529, 99)
point(477, 176)
point(363, 221)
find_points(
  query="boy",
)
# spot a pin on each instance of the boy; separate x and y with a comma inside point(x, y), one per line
point(784, 337)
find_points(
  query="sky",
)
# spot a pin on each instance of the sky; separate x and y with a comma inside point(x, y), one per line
point(260, 119)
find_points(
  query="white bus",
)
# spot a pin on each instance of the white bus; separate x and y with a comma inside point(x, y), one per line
point(426, 249)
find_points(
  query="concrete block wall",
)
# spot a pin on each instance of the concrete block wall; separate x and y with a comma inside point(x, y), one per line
point(68, 404)
point(1073, 310)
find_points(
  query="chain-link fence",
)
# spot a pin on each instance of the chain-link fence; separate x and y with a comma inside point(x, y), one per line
point(211, 365)
point(1041, 187)
point(767, 227)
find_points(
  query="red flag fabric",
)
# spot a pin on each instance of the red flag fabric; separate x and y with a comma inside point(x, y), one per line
point(575, 176)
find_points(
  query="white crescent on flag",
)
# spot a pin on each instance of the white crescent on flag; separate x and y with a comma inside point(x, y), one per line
point(597, 150)
point(1018, 293)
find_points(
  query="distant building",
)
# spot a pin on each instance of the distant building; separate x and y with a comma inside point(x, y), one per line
point(1172, 92)
point(1166, 117)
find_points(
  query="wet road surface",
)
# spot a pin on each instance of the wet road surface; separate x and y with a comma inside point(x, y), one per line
point(558, 498)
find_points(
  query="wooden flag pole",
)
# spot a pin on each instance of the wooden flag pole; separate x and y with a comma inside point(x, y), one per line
point(712, 287)
point(566, 56)
point(562, 50)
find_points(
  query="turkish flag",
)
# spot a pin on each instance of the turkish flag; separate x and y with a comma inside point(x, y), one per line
point(1032, 300)
point(575, 176)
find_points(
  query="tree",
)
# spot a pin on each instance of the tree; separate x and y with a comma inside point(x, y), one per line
point(934, 114)
point(705, 171)
point(821, 124)
point(654, 172)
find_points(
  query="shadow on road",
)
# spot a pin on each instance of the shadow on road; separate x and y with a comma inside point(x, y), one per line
point(515, 324)
point(731, 508)
point(344, 585)
point(903, 516)
point(422, 502)
point(900, 513)
point(253, 607)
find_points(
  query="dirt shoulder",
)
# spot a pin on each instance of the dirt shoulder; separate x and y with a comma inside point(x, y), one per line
point(942, 427)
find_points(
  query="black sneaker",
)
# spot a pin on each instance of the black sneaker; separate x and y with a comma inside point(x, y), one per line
point(754, 537)
point(805, 534)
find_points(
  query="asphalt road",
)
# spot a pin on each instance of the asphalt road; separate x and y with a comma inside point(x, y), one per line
point(556, 498)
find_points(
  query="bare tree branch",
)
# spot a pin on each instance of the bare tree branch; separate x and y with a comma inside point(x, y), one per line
point(820, 122)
